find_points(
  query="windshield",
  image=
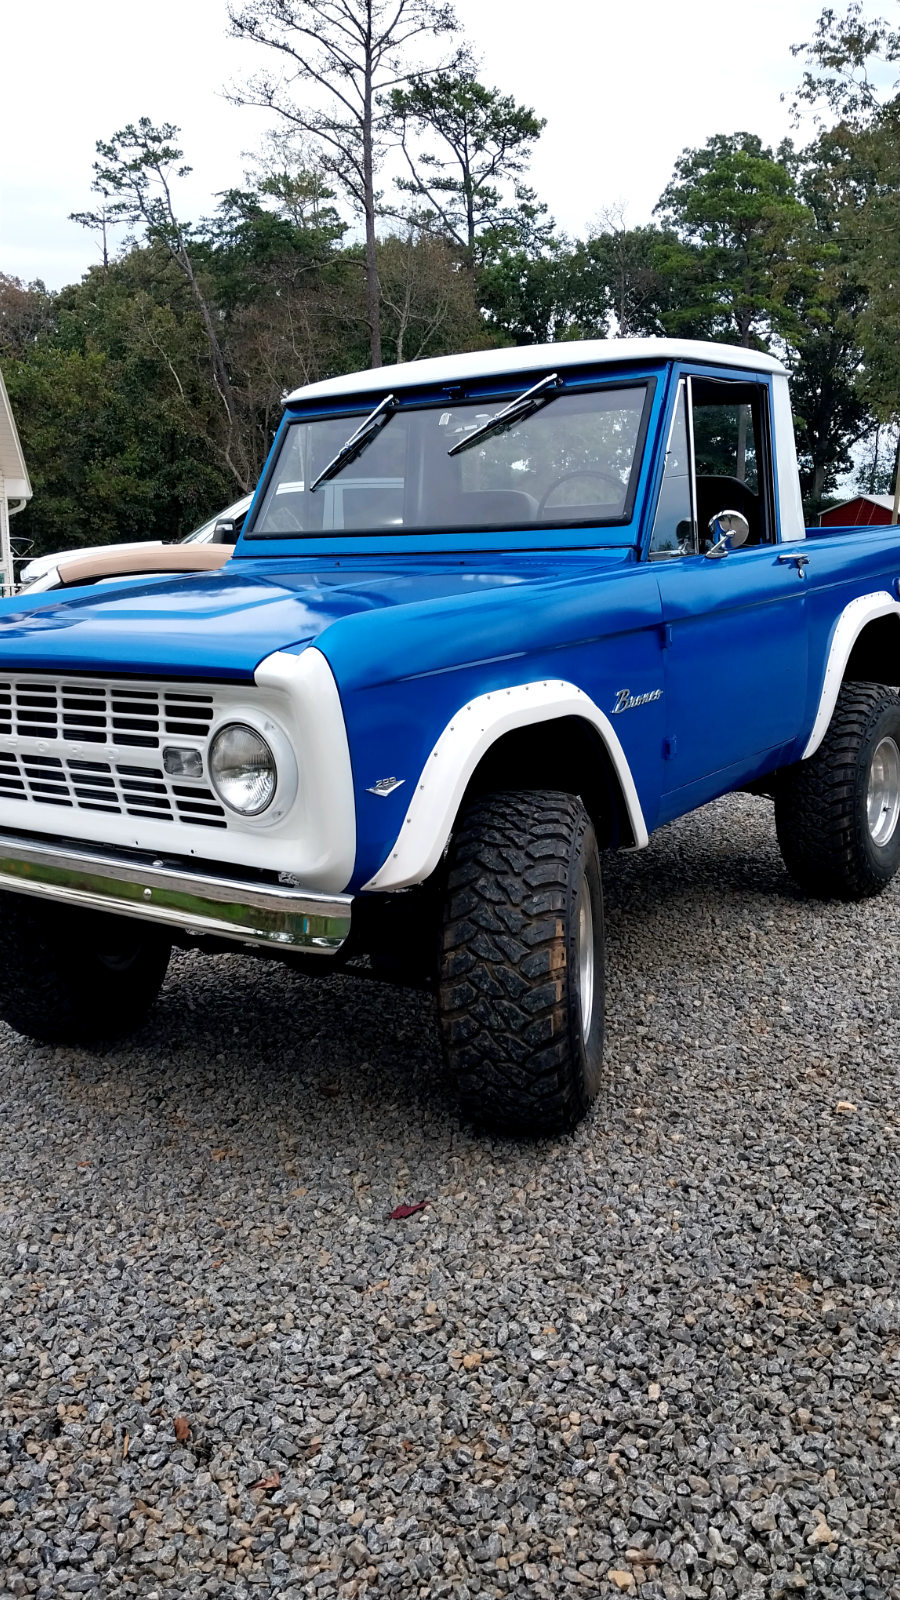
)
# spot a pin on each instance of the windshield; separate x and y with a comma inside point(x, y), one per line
point(574, 460)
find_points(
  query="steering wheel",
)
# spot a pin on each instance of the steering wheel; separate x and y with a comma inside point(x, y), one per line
point(579, 472)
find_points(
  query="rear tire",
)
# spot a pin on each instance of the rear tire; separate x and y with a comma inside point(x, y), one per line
point(69, 976)
point(838, 814)
point(521, 988)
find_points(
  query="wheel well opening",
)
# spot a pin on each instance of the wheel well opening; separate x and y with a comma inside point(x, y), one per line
point(875, 657)
point(566, 754)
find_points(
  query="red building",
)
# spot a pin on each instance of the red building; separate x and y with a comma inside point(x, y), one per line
point(863, 510)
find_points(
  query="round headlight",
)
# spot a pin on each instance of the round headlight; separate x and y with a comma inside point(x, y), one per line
point(242, 769)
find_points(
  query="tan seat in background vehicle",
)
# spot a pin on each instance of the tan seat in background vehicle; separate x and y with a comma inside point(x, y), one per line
point(117, 563)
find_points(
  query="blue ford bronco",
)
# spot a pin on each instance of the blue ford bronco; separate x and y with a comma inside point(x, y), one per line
point(489, 616)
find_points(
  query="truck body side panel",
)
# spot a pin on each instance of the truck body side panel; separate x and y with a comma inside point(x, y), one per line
point(736, 669)
point(842, 568)
point(601, 631)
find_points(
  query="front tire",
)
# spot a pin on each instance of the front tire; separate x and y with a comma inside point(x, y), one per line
point(837, 815)
point(69, 976)
point(521, 989)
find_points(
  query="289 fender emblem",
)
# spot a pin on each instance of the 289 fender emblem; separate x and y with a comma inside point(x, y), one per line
point(626, 701)
point(386, 786)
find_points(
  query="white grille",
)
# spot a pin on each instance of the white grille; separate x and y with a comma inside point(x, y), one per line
point(61, 719)
point(131, 717)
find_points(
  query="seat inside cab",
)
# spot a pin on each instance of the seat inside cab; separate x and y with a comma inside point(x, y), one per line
point(730, 446)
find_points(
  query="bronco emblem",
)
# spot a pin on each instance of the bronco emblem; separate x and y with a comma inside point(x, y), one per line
point(625, 700)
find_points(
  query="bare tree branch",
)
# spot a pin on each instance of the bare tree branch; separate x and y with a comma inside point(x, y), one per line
point(352, 53)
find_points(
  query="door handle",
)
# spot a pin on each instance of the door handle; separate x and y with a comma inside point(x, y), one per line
point(798, 561)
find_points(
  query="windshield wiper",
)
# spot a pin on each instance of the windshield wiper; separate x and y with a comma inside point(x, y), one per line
point(521, 407)
point(357, 441)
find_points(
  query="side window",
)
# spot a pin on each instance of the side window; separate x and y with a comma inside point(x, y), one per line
point(731, 455)
point(674, 529)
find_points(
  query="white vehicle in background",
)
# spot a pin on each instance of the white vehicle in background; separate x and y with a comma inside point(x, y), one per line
point(207, 548)
point(216, 530)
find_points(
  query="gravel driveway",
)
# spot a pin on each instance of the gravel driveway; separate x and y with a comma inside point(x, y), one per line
point(658, 1358)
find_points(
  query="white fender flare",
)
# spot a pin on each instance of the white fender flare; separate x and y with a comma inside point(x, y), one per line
point(467, 736)
point(850, 624)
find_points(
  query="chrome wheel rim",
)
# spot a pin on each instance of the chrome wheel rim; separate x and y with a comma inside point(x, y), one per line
point(883, 797)
point(585, 957)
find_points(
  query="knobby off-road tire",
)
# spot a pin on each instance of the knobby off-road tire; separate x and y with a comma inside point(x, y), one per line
point(522, 972)
point(69, 976)
point(838, 814)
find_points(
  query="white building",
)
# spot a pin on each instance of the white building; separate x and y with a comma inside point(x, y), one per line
point(15, 485)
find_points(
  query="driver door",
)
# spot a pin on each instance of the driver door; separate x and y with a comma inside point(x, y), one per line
point(735, 624)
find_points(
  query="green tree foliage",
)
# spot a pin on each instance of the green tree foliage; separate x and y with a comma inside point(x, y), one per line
point(733, 206)
point(335, 64)
point(117, 396)
point(841, 57)
point(644, 277)
point(137, 168)
point(114, 407)
point(150, 392)
point(875, 462)
point(529, 297)
point(851, 67)
point(479, 143)
point(824, 350)
point(428, 305)
point(26, 314)
point(750, 249)
point(582, 289)
point(289, 299)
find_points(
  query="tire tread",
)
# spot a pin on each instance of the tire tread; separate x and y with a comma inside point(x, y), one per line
point(504, 1008)
point(816, 812)
point(53, 988)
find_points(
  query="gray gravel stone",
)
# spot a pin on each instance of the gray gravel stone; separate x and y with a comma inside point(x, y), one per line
point(667, 1348)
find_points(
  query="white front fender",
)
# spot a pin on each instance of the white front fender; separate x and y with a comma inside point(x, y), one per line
point(467, 736)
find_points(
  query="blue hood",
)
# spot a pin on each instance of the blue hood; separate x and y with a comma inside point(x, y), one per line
point(221, 625)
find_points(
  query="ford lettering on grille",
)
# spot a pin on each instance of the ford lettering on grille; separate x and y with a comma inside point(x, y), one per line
point(79, 745)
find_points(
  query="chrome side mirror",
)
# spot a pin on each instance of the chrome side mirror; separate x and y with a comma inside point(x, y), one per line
point(728, 530)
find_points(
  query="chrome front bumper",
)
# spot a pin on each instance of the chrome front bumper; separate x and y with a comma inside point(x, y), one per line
point(253, 913)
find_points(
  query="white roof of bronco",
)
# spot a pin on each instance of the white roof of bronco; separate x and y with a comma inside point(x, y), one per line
point(532, 358)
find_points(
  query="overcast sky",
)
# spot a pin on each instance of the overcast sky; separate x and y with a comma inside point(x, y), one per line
point(623, 87)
